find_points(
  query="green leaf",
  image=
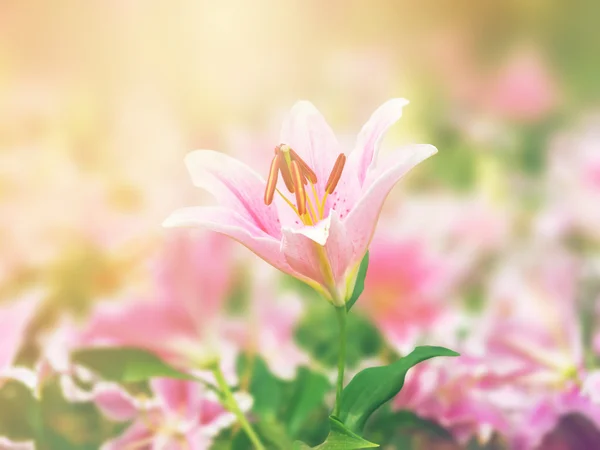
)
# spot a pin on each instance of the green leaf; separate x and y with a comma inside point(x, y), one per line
point(274, 433)
point(283, 404)
point(359, 286)
point(265, 388)
point(339, 438)
point(310, 390)
point(374, 386)
point(317, 331)
point(72, 426)
point(19, 411)
point(126, 364)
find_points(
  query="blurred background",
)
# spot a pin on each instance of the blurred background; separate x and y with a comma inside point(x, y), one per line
point(100, 101)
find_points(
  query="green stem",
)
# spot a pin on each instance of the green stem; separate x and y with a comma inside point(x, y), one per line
point(232, 405)
point(341, 315)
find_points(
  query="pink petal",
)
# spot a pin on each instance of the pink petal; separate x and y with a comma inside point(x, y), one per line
point(235, 186)
point(306, 131)
point(309, 250)
point(177, 396)
point(134, 437)
point(14, 318)
point(114, 402)
point(198, 440)
point(193, 272)
point(275, 324)
point(367, 142)
point(546, 414)
point(191, 401)
point(6, 444)
point(236, 227)
point(153, 325)
point(361, 221)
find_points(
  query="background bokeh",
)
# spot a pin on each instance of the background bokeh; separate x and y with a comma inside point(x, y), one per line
point(100, 101)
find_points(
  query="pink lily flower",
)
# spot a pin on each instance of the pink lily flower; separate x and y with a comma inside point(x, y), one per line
point(462, 399)
point(183, 415)
point(267, 327)
point(532, 321)
point(542, 422)
point(186, 323)
point(533, 331)
point(407, 289)
point(523, 89)
point(321, 231)
point(182, 322)
point(573, 181)
point(521, 369)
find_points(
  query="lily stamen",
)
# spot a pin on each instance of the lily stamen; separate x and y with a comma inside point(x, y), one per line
point(336, 174)
point(306, 170)
point(299, 188)
point(297, 174)
point(272, 179)
point(284, 167)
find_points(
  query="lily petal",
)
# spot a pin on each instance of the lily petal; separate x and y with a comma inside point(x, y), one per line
point(136, 436)
point(14, 318)
point(362, 219)
point(6, 444)
point(371, 134)
point(306, 131)
point(177, 396)
point(235, 226)
point(132, 323)
point(322, 252)
point(235, 186)
point(115, 403)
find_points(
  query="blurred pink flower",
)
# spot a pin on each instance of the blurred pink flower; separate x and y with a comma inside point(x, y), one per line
point(267, 327)
point(183, 414)
point(466, 230)
point(275, 325)
point(182, 322)
point(462, 398)
point(521, 368)
point(533, 329)
point(323, 237)
point(519, 87)
point(545, 416)
point(532, 316)
point(523, 89)
point(407, 290)
point(573, 180)
point(187, 323)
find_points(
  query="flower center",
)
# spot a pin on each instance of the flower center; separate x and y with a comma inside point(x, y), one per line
point(297, 175)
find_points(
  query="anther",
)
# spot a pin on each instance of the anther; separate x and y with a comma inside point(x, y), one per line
point(306, 170)
point(272, 180)
point(284, 169)
point(299, 185)
point(336, 173)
